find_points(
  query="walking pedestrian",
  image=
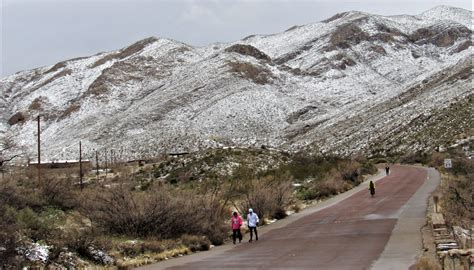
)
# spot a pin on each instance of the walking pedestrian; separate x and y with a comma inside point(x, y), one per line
point(252, 222)
point(387, 169)
point(372, 188)
point(236, 223)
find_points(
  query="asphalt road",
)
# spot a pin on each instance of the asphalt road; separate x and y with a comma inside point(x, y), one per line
point(350, 231)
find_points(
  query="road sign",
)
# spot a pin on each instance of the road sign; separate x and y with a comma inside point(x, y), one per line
point(448, 164)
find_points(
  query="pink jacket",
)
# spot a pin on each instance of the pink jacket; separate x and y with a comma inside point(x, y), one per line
point(236, 222)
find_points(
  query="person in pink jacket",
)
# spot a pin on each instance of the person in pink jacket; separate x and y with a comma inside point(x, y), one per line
point(236, 222)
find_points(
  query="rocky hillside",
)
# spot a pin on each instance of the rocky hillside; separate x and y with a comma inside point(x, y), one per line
point(353, 82)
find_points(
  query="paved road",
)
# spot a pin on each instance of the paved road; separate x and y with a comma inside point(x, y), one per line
point(353, 231)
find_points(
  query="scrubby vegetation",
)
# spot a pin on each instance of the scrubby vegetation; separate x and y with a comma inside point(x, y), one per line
point(161, 208)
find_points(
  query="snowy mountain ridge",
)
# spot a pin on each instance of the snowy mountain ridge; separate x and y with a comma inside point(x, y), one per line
point(354, 82)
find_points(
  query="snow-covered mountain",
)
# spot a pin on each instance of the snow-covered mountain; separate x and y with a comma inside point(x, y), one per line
point(352, 82)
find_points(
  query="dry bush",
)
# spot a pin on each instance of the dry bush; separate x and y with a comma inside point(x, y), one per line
point(458, 200)
point(425, 263)
point(195, 243)
point(349, 171)
point(9, 240)
point(269, 196)
point(156, 213)
point(437, 159)
point(79, 240)
point(59, 193)
point(331, 187)
point(20, 197)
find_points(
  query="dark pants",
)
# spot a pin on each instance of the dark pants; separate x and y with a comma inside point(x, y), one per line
point(372, 191)
point(253, 229)
point(236, 233)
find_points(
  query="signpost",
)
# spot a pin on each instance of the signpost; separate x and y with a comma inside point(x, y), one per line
point(448, 164)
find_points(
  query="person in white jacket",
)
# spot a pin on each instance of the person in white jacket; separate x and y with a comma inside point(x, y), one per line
point(252, 222)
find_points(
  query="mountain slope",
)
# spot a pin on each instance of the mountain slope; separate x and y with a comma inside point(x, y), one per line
point(348, 83)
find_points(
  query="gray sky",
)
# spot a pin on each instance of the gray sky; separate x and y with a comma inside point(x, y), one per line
point(36, 33)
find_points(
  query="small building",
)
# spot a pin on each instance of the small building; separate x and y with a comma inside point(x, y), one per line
point(62, 164)
point(136, 162)
point(178, 154)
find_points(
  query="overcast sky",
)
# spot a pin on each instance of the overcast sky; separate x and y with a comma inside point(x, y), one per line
point(36, 33)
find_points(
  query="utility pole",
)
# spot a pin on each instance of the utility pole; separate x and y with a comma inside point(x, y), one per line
point(97, 164)
point(39, 152)
point(106, 163)
point(80, 165)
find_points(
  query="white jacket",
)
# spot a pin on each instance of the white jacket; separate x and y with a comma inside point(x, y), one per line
point(252, 220)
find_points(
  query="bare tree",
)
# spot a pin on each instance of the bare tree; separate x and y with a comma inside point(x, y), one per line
point(9, 150)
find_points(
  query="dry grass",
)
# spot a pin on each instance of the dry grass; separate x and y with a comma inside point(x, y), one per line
point(132, 49)
point(248, 50)
point(445, 38)
point(347, 34)
point(74, 107)
point(256, 74)
point(18, 117)
point(425, 263)
point(60, 74)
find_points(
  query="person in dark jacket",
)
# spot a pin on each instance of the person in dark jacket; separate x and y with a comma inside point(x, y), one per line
point(387, 169)
point(372, 188)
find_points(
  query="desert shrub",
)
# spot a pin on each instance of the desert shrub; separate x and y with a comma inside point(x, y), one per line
point(462, 166)
point(349, 171)
point(195, 243)
point(154, 246)
point(156, 213)
point(337, 181)
point(437, 160)
point(417, 157)
point(20, 197)
point(425, 263)
point(268, 196)
point(458, 200)
point(330, 187)
point(36, 225)
point(367, 167)
point(132, 249)
point(307, 193)
point(59, 193)
point(303, 166)
point(9, 240)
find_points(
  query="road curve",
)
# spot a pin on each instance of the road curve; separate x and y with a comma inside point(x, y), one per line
point(353, 231)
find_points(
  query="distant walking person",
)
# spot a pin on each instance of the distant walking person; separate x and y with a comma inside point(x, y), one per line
point(372, 188)
point(236, 224)
point(387, 169)
point(252, 222)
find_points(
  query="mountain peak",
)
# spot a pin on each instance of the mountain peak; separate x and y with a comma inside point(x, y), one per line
point(355, 82)
point(449, 13)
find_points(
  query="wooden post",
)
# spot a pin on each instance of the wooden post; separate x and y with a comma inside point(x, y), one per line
point(39, 152)
point(80, 165)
